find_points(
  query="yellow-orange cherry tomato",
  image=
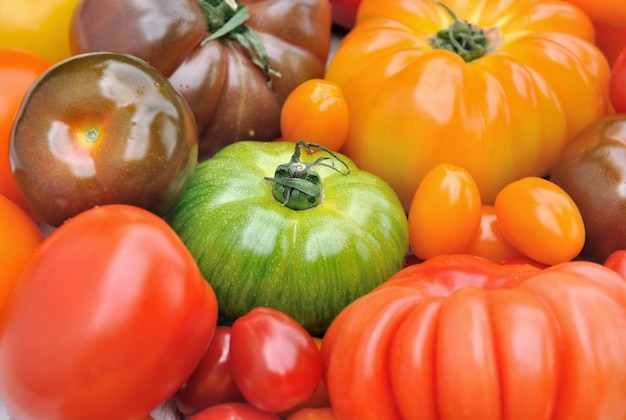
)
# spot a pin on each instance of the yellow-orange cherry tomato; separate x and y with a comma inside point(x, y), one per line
point(541, 220)
point(489, 242)
point(445, 212)
point(316, 112)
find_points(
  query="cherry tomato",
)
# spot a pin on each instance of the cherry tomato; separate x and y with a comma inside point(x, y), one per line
point(211, 382)
point(540, 220)
point(110, 316)
point(274, 361)
point(18, 70)
point(234, 411)
point(489, 242)
point(618, 83)
point(19, 235)
point(445, 212)
point(316, 112)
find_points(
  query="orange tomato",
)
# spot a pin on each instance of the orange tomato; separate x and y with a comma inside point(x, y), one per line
point(316, 112)
point(19, 235)
point(445, 212)
point(541, 220)
point(489, 242)
point(18, 70)
point(606, 12)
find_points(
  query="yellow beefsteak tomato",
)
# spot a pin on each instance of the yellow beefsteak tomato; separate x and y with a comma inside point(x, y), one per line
point(533, 78)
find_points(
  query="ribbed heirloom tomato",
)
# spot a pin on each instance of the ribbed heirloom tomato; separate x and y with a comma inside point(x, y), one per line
point(487, 86)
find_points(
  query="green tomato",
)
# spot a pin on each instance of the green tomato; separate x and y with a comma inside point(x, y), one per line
point(262, 236)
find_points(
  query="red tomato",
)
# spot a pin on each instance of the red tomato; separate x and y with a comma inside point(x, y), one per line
point(234, 411)
point(316, 112)
point(18, 70)
point(322, 413)
point(274, 361)
point(489, 242)
point(611, 40)
point(445, 212)
point(344, 12)
point(616, 261)
point(211, 382)
point(109, 318)
point(618, 83)
point(540, 220)
point(20, 236)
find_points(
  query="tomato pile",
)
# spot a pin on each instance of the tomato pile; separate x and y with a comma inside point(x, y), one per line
point(208, 213)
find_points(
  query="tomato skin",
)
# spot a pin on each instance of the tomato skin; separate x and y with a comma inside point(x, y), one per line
point(540, 220)
point(413, 106)
point(211, 382)
point(618, 82)
point(606, 12)
point(109, 318)
point(321, 413)
point(20, 236)
point(611, 40)
point(344, 12)
point(433, 343)
point(233, 411)
point(616, 261)
point(274, 361)
point(489, 242)
point(98, 129)
point(316, 112)
point(39, 26)
point(445, 212)
point(18, 71)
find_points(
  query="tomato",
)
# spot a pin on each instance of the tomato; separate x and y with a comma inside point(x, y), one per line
point(211, 382)
point(98, 129)
point(606, 12)
point(445, 212)
point(344, 12)
point(20, 236)
point(316, 112)
point(611, 40)
point(434, 342)
point(503, 111)
point(308, 246)
point(618, 82)
point(274, 361)
point(18, 70)
point(616, 261)
point(233, 411)
point(39, 26)
point(489, 242)
point(592, 170)
point(109, 318)
point(322, 413)
point(234, 61)
point(540, 220)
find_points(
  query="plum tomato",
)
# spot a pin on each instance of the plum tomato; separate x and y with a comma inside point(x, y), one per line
point(316, 112)
point(540, 220)
point(102, 128)
point(275, 363)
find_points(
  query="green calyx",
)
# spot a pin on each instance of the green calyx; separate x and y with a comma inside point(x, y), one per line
point(467, 40)
point(296, 185)
point(226, 19)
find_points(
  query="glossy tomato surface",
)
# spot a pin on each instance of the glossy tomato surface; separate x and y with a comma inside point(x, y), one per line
point(98, 129)
point(109, 318)
point(274, 361)
point(618, 81)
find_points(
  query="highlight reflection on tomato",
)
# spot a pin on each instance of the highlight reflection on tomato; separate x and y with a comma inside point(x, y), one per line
point(98, 129)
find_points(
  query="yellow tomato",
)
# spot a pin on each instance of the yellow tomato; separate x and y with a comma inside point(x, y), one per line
point(39, 26)
point(540, 220)
point(534, 80)
point(445, 212)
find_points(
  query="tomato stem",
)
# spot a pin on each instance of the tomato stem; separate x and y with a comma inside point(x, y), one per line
point(467, 40)
point(296, 185)
point(226, 20)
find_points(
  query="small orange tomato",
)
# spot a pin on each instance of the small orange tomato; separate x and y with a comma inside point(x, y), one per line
point(541, 220)
point(316, 112)
point(445, 212)
point(19, 235)
point(489, 242)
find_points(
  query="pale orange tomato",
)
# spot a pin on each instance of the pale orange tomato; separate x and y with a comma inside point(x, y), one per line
point(316, 112)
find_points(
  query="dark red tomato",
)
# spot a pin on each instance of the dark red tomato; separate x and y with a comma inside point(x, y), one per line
point(211, 383)
point(108, 319)
point(610, 39)
point(344, 12)
point(234, 411)
point(274, 361)
point(618, 82)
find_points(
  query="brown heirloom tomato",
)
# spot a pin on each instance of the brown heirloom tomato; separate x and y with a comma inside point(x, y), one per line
point(592, 170)
point(102, 128)
point(235, 62)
